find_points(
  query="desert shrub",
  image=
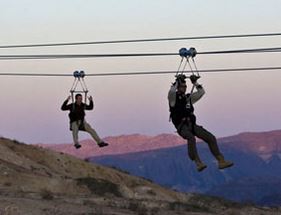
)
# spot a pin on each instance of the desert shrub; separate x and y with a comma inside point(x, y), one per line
point(17, 142)
point(46, 194)
point(179, 206)
point(208, 200)
point(100, 186)
point(151, 192)
point(7, 184)
point(138, 207)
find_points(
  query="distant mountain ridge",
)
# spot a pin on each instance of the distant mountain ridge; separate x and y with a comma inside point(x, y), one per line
point(163, 159)
point(251, 179)
point(262, 143)
point(119, 145)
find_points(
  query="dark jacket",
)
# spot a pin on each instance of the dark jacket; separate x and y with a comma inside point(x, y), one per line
point(183, 109)
point(77, 112)
point(181, 106)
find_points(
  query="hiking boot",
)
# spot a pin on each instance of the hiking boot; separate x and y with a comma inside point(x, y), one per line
point(102, 144)
point(225, 164)
point(77, 145)
point(200, 165)
point(222, 163)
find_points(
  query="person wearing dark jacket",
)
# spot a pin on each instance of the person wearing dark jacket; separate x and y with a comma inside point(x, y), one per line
point(183, 118)
point(77, 119)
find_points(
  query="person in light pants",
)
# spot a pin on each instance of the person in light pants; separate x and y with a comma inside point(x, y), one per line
point(77, 119)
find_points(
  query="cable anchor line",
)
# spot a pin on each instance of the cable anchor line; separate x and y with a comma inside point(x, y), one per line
point(185, 53)
point(217, 70)
point(141, 40)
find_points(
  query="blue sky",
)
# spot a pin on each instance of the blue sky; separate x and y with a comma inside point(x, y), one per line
point(233, 103)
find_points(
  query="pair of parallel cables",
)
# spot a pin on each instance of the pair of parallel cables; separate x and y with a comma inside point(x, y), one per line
point(185, 54)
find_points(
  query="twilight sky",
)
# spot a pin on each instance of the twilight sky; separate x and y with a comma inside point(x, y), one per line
point(234, 102)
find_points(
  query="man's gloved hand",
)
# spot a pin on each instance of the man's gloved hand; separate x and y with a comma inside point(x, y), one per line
point(180, 78)
point(194, 78)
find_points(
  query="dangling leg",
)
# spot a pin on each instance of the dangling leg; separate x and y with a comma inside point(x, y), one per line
point(211, 140)
point(75, 129)
point(94, 135)
point(185, 131)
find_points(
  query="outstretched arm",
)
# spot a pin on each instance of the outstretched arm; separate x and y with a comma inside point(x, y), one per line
point(198, 94)
point(65, 106)
point(90, 106)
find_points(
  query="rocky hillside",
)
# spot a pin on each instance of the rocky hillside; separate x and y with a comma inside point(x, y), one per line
point(36, 181)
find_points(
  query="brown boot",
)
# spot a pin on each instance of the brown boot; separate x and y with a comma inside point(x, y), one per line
point(222, 164)
point(200, 165)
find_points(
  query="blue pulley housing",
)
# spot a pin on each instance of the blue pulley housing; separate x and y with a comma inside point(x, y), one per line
point(82, 74)
point(192, 52)
point(76, 74)
point(183, 52)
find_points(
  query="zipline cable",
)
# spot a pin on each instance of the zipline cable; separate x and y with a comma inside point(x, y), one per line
point(142, 40)
point(146, 73)
point(63, 56)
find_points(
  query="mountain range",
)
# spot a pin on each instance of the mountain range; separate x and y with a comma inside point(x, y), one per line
point(122, 144)
point(255, 177)
point(263, 144)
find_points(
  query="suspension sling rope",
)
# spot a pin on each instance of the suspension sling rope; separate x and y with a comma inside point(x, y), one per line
point(193, 54)
point(179, 67)
point(187, 54)
point(79, 78)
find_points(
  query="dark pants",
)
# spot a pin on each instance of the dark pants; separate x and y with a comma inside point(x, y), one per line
point(187, 132)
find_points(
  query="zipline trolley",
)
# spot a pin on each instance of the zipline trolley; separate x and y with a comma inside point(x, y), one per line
point(79, 78)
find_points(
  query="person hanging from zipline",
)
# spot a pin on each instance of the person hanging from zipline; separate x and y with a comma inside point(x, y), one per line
point(183, 118)
point(77, 119)
point(77, 111)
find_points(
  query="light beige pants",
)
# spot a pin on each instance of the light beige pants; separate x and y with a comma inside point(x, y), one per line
point(88, 128)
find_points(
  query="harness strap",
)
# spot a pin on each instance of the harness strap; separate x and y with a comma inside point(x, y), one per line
point(185, 122)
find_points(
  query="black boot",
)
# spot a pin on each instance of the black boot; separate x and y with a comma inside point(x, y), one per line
point(102, 144)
